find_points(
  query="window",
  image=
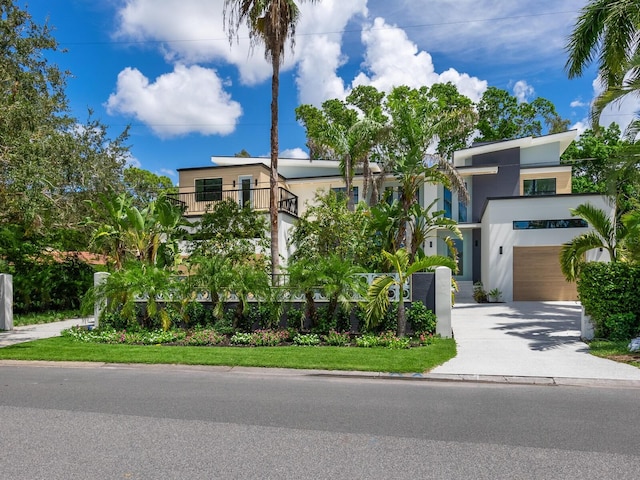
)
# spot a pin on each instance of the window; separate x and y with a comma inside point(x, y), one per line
point(462, 212)
point(208, 189)
point(342, 193)
point(540, 186)
point(541, 224)
point(448, 204)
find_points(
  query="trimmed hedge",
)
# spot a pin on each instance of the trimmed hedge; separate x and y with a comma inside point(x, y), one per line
point(609, 292)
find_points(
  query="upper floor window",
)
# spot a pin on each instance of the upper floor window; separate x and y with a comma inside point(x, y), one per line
point(448, 203)
point(540, 186)
point(342, 193)
point(462, 212)
point(208, 189)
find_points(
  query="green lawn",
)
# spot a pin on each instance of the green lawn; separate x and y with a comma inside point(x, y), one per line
point(617, 351)
point(419, 359)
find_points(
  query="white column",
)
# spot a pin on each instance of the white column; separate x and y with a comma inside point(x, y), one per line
point(443, 302)
point(586, 327)
point(6, 301)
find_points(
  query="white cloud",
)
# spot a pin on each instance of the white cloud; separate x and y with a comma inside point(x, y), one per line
point(131, 161)
point(319, 56)
point(192, 31)
point(187, 100)
point(523, 91)
point(581, 126)
point(168, 173)
point(294, 153)
point(391, 59)
point(578, 103)
point(502, 32)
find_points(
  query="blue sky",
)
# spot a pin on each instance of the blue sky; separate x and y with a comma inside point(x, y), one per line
point(166, 67)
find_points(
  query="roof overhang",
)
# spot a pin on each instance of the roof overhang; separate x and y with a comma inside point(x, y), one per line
point(563, 138)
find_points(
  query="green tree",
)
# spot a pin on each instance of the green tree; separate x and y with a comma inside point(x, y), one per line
point(417, 123)
point(329, 227)
point(378, 294)
point(271, 22)
point(146, 186)
point(502, 117)
point(591, 157)
point(338, 131)
point(230, 230)
point(49, 162)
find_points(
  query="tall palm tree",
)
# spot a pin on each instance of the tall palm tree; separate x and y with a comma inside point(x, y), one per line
point(272, 22)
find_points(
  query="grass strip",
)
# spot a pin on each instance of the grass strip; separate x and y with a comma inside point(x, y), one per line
point(22, 319)
point(419, 359)
point(617, 351)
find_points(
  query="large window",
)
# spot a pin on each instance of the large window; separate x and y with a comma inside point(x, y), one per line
point(208, 190)
point(540, 186)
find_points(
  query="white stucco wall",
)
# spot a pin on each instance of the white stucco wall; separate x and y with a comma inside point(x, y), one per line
point(497, 231)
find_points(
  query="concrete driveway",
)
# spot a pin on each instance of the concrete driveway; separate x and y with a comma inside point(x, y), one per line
point(531, 339)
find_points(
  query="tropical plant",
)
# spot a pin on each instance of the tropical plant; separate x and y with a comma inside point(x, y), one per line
point(377, 301)
point(608, 30)
point(606, 233)
point(149, 235)
point(338, 132)
point(417, 122)
point(272, 22)
point(137, 284)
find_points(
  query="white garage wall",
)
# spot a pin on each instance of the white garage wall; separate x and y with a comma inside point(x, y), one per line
point(497, 231)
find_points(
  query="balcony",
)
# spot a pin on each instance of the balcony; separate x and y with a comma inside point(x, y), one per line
point(198, 203)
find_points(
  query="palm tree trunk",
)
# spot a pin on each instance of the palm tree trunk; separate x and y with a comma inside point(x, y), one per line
point(273, 184)
point(402, 321)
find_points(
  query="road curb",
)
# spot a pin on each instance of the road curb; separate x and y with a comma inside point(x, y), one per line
point(429, 377)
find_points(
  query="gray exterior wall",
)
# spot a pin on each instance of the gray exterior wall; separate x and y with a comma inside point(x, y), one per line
point(506, 183)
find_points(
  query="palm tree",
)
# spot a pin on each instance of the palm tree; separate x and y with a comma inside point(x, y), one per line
point(606, 234)
point(378, 293)
point(609, 29)
point(273, 22)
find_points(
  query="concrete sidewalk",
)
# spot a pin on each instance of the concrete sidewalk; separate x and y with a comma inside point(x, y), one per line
point(28, 333)
point(526, 339)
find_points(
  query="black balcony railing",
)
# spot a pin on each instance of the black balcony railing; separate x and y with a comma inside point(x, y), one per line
point(198, 203)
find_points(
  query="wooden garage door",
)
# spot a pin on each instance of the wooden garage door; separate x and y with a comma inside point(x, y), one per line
point(537, 275)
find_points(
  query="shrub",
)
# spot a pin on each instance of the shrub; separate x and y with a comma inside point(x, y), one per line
point(295, 319)
point(337, 339)
point(620, 326)
point(202, 337)
point(389, 340)
point(309, 339)
point(479, 293)
point(421, 319)
point(607, 289)
point(241, 338)
point(367, 340)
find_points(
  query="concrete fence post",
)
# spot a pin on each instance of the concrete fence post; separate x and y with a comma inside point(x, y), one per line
point(99, 278)
point(443, 302)
point(6, 301)
point(586, 327)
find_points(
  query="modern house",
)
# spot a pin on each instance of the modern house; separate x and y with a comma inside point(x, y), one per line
point(513, 227)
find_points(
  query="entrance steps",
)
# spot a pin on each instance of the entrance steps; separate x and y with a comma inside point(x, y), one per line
point(465, 292)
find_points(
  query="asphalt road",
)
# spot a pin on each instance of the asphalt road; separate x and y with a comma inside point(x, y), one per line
point(183, 423)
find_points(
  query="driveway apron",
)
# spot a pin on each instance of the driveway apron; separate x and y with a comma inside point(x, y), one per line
point(537, 339)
